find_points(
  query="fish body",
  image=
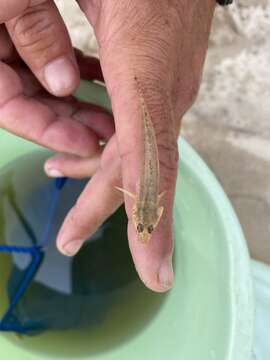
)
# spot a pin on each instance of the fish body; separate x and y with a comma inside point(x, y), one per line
point(146, 212)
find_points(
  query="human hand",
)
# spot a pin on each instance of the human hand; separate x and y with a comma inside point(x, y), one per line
point(164, 45)
point(28, 107)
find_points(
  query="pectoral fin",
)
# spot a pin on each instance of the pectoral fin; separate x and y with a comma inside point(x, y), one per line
point(126, 192)
point(159, 213)
point(160, 196)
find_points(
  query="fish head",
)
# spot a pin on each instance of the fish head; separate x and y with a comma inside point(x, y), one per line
point(144, 231)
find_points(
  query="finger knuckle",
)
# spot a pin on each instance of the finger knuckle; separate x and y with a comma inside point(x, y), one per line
point(36, 30)
point(76, 222)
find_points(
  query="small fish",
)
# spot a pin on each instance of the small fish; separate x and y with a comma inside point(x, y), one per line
point(146, 212)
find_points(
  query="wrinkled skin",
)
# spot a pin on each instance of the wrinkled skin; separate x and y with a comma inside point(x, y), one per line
point(164, 42)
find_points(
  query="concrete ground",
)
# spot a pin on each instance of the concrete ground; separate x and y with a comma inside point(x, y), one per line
point(230, 123)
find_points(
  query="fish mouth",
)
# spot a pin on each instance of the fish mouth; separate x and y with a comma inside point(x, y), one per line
point(144, 237)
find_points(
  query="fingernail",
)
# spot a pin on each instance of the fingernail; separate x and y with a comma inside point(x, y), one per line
point(54, 173)
point(60, 76)
point(166, 274)
point(71, 248)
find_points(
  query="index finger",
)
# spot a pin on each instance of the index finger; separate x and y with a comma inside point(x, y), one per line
point(40, 36)
point(35, 121)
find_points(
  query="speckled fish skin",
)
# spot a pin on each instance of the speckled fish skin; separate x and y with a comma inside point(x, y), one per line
point(145, 210)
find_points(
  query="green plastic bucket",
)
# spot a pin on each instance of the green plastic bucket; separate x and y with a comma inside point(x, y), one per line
point(209, 313)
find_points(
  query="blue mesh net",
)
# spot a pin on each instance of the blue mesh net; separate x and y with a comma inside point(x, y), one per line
point(44, 289)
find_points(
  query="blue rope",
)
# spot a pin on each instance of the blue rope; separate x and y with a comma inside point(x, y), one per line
point(37, 256)
point(8, 322)
point(18, 249)
point(59, 183)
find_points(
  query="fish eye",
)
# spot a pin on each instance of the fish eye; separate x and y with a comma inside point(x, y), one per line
point(150, 229)
point(140, 228)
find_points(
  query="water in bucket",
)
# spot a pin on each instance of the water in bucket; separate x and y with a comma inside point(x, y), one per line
point(90, 294)
point(207, 315)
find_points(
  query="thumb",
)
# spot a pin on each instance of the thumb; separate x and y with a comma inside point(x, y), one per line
point(153, 260)
point(138, 49)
